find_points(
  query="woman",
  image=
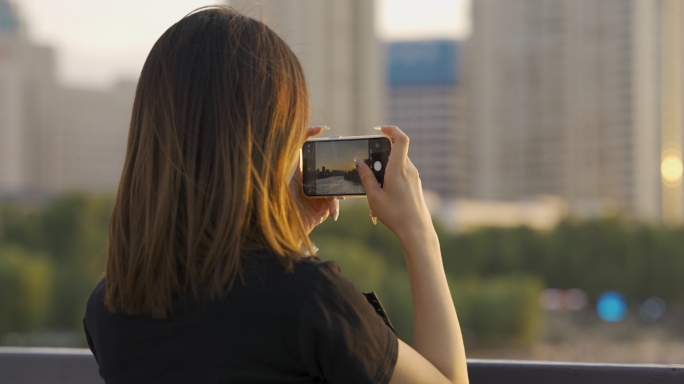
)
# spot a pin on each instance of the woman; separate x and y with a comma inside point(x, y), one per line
point(207, 278)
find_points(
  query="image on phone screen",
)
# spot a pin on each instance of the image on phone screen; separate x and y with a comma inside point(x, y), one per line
point(329, 169)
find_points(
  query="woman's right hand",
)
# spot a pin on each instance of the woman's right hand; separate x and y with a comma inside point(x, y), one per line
point(399, 204)
point(437, 355)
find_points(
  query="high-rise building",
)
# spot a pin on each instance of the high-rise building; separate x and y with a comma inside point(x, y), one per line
point(27, 93)
point(54, 138)
point(335, 42)
point(93, 131)
point(568, 98)
point(425, 101)
point(9, 23)
point(671, 65)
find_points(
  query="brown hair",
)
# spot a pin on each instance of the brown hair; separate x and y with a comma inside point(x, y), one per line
point(219, 115)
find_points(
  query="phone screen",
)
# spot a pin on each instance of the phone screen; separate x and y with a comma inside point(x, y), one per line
point(328, 167)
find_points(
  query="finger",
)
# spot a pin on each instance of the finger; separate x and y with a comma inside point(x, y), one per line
point(321, 215)
point(333, 208)
point(399, 139)
point(313, 131)
point(370, 183)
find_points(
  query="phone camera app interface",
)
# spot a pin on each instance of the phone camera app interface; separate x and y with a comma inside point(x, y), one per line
point(329, 168)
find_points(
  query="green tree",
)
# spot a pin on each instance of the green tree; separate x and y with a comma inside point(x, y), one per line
point(71, 230)
point(25, 289)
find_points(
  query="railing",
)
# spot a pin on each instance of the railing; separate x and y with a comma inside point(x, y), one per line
point(543, 372)
point(48, 365)
point(77, 366)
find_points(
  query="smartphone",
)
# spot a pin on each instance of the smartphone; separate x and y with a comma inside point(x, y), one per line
point(328, 168)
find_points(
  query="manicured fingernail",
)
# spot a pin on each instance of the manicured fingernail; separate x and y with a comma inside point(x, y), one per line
point(336, 214)
point(356, 161)
point(323, 127)
point(378, 128)
point(375, 220)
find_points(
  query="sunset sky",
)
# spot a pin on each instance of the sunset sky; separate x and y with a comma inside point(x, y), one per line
point(340, 155)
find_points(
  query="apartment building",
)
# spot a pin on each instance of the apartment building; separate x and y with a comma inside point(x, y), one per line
point(54, 138)
point(335, 42)
point(424, 99)
point(567, 98)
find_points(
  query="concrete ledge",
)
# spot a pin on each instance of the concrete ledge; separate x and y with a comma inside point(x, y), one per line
point(77, 366)
point(48, 365)
point(516, 371)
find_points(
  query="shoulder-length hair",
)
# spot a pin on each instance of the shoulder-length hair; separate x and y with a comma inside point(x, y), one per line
point(219, 115)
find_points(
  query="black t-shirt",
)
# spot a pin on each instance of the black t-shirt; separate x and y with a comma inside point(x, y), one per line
point(307, 326)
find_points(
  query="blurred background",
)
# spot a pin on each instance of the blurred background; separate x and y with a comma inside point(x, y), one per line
point(548, 136)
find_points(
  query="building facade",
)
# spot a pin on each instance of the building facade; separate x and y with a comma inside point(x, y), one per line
point(425, 101)
point(566, 99)
point(54, 138)
point(335, 42)
point(28, 91)
point(93, 131)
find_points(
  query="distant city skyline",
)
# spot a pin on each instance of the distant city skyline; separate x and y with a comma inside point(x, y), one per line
point(120, 37)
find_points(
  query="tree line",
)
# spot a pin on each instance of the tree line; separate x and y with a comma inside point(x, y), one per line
point(52, 254)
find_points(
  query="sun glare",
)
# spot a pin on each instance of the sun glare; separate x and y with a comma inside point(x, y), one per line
point(671, 169)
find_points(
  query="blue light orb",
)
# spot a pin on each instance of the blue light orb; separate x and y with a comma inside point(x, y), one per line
point(611, 306)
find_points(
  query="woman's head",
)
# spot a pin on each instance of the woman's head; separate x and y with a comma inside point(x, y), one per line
point(219, 115)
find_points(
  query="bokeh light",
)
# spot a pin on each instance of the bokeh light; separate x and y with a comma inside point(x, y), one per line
point(652, 309)
point(576, 299)
point(549, 299)
point(553, 299)
point(671, 169)
point(611, 306)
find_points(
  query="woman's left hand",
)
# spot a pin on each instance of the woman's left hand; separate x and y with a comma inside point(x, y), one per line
point(313, 211)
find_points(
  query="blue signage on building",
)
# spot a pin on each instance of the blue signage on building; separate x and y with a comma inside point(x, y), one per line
point(422, 63)
point(8, 21)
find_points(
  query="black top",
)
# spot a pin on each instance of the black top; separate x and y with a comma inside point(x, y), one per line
point(309, 326)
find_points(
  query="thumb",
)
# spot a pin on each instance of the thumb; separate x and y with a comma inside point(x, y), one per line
point(370, 183)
